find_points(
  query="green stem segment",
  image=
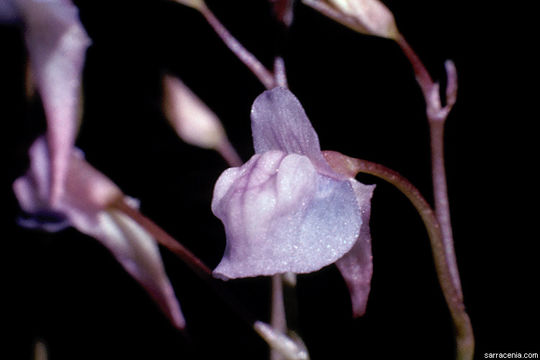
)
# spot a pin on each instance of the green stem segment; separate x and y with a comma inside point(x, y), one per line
point(445, 269)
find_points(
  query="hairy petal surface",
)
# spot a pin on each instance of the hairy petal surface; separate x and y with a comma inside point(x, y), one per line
point(84, 205)
point(281, 215)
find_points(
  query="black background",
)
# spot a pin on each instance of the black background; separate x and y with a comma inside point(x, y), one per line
point(361, 97)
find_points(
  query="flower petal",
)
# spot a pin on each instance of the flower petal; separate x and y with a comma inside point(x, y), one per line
point(280, 215)
point(369, 17)
point(84, 204)
point(56, 43)
point(279, 122)
point(137, 252)
point(356, 266)
point(86, 190)
point(32, 192)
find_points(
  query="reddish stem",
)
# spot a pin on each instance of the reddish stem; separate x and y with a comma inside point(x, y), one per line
point(256, 67)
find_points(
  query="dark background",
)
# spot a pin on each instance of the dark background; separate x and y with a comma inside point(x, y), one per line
point(361, 97)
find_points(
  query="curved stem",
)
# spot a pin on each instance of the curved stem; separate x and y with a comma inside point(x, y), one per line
point(166, 240)
point(422, 75)
point(444, 268)
point(256, 67)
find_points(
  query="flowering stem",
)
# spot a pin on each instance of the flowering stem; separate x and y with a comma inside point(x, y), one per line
point(280, 72)
point(166, 240)
point(253, 64)
point(452, 294)
point(229, 153)
point(422, 75)
point(437, 114)
point(278, 318)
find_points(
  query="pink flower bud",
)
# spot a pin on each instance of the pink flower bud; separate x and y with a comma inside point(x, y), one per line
point(193, 121)
point(370, 17)
point(196, 4)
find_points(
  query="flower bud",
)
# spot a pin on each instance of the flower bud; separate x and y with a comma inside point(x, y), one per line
point(196, 4)
point(291, 348)
point(193, 121)
point(370, 17)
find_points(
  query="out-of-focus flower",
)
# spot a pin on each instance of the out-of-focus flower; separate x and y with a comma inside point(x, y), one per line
point(56, 43)
point(85, 204)
point(370, 17)
point(193, 121)
point(8, 12)
point(286, 209)
point(196, 4)
point(290, 346)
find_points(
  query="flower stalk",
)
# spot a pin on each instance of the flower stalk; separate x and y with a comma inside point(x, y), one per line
point(278, 317)
point(437, 115)
point(257, 68)
point(444, 268)
point(166, 240)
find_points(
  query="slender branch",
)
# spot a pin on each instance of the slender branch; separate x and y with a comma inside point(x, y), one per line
point(278, 318)
point(253, 64)
point(422, 75)
point(280, 72)
point(452, 294)
point(192, 261)
point(229, 153)
point(164, 239)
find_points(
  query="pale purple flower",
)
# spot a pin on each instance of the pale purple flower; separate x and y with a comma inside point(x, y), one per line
point(56, 42)
point(287, 210)
point(85, 204)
